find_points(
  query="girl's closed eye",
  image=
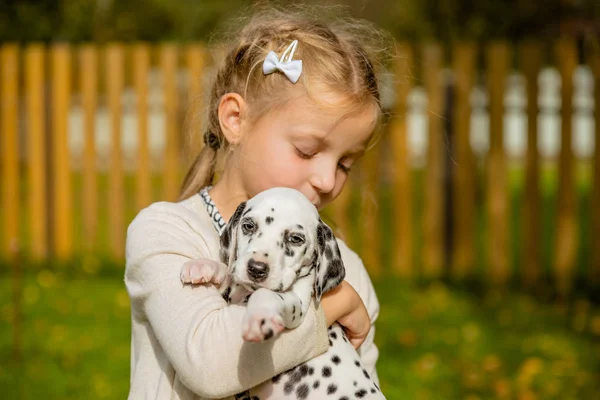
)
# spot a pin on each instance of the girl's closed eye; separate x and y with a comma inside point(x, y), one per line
point(345, 167)
point(304, 154)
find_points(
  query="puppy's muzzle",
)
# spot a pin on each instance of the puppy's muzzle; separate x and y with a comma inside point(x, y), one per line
point(257, 270)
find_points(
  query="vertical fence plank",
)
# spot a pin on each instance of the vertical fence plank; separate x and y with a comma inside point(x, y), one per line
point(463, 192)
point(341, 215)
point(566, 229)
point(498, 59)
point(594, 57)
point(433, 207)
point(62, 222)
point(36, 150)
point(88, 62)
point(168, 57)
point(114, 79)
point(141, 62)
point(195, 59)
point(402, 182)
point(531, 63)
point(369, 215)
point(10, 150)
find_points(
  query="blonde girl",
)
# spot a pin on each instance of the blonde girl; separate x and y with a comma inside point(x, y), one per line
point(272, 127)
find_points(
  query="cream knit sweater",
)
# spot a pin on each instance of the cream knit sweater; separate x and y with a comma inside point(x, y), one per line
point(186, 342)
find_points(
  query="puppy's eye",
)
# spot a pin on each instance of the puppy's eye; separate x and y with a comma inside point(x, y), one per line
point(248, 226)
point(296, 238)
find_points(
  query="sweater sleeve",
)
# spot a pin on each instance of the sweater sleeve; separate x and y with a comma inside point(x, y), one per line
point(357, 276)
point(197, 330)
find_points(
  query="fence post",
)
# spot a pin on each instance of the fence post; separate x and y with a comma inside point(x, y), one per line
point(402, 189)
point(115, 82)
point(433, 212)
point(172, 179)
point(62, 218)
point(594, 273)
point(463, 191)
point(369, 211)
point(143, 186)
point(196, 65)
point(88, 82)
point(530, 60)
point(341, 214)
point(36, 144)
point(498, 57)
point(10, 149)
point(566, 229)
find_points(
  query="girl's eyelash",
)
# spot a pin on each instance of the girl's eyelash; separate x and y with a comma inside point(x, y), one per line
point(344, 168)
point(301, 154)
point(305, 156)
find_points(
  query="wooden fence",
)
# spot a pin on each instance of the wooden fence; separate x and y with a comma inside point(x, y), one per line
point(46, 216)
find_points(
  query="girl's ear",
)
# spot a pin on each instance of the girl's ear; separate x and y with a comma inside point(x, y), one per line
point(231, 111)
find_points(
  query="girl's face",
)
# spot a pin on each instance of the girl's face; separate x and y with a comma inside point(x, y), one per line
point(304, 146)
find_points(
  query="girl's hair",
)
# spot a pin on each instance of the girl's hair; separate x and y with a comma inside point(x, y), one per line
point(340, 57)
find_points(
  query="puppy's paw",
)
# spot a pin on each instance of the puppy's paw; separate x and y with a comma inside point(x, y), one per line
point(261, 324)
point(203, 270)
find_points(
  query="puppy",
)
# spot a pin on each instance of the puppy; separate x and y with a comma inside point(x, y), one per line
point(276, 253)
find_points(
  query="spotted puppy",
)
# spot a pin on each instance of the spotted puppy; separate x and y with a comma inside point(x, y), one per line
point(276, 253)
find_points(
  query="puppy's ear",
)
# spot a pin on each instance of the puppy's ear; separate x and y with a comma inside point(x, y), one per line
point(229, 237)
point(329, 267)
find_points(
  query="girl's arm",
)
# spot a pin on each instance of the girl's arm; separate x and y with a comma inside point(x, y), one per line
point(195, 328)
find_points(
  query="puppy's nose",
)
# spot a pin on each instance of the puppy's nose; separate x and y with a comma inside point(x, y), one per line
point(257, 270)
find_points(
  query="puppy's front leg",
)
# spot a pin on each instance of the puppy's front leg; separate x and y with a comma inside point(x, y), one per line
point(203, 270)
point(268, 312)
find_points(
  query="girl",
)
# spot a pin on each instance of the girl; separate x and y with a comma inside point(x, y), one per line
point(295, 103)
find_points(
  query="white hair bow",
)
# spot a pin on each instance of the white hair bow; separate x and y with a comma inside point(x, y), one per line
point(291, 68)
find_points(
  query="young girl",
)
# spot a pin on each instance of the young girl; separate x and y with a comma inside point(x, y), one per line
point(294, 104)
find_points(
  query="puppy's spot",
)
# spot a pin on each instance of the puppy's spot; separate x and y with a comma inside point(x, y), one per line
point(331, 389)
point(328, 252)
point(269, 219)
point(366, 374)
point(302, 391)
point(266, 254)
point(333, 335)
point(303, 370)
point(326, 372)
point(316, 384)
point(276, 379)
point(336, 360)
point(300, 226)
point(361, 393)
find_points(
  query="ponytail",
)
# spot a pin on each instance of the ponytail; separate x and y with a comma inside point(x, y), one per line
point(200, 174)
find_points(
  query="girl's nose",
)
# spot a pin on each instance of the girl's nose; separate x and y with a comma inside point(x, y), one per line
point(323, 178)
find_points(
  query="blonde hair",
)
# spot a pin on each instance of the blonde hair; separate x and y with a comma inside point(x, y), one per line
point(339, 57)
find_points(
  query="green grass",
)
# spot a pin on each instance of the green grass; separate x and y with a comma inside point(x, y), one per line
point(435, 342)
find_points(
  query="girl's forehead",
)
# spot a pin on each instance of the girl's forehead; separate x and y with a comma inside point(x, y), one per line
point(326, 112)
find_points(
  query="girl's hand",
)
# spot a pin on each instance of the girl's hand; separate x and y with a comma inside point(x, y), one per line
point(344, 305)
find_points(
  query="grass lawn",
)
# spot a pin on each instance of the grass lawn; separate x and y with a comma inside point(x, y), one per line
point(436, 341)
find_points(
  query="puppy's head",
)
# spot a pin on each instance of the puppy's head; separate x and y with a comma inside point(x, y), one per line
point(275, 238)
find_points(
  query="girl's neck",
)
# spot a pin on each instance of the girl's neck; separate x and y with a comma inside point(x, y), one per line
point(227, 194)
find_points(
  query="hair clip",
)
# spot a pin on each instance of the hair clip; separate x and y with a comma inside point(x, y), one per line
point(291, 68)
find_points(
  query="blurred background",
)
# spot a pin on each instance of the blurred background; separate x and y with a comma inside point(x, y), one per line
point(477, 214)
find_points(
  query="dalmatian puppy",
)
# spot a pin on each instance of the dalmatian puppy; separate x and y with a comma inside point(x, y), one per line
point(276, 253)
